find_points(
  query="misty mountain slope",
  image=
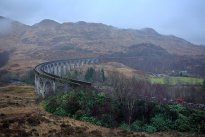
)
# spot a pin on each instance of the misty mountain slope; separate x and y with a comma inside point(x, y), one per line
point(92, 36)
point(50, 40)
point(154, 59)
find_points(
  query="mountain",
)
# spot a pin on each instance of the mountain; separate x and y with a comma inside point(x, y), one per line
point(94, 36)
point(154, 59)
point(50, 40)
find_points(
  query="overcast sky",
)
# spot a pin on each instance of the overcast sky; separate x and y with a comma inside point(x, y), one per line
point(183, 18)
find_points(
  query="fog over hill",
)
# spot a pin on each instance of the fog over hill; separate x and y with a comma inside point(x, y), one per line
point(50, 40)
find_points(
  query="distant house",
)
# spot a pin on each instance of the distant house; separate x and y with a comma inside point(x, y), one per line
point(183, 73)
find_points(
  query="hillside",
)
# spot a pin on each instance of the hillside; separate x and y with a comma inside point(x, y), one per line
point(154, 59)
point(50, 40)
point(21, 115)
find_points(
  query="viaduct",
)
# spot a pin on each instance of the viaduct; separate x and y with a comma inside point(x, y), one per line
point(50, 76)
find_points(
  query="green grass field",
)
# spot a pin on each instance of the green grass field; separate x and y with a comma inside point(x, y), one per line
point(171, 80)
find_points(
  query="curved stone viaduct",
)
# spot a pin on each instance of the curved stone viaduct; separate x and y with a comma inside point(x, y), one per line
point(50, 76)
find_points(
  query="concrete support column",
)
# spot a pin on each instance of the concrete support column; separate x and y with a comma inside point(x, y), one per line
point(64, 69)
point(36, 83)
point(49, 69)
point(43, 88)
point(71, 66)
point(78, 64)
point(40, 87)
point(61, 70)
point(55, 69)
point(58, 70)
point(54, 87)
point(82, 62)
point(52, 69)
point(74, 65)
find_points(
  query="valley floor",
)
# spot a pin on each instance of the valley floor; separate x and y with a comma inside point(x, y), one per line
point(21, 115)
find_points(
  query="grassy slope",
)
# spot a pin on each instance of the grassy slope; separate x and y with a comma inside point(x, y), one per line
point(17, 107)
point(25, 117)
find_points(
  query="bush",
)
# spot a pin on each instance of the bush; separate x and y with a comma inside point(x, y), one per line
point(149, 129)
point(93, 107)
point(182, 123)
point(50, 105)
point(198, 121)
point(91, 119)
point(137, 126)
point(60, 111)
point(125, 126)
point(107, 120)
point(101, 109)
point(160, 123)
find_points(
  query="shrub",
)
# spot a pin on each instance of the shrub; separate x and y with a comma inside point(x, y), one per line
point(91, 119)
point(198, 121)
point(97, 108)
point(177, 108)
point(160, 123)
point(50, 105)
point(71, 105)
point(182, 123)
point(60, 111)
point(137, 126)
point(101, 109)
point(79, 114)
point(149, 129)
point(107, 120)
point(125, 126)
